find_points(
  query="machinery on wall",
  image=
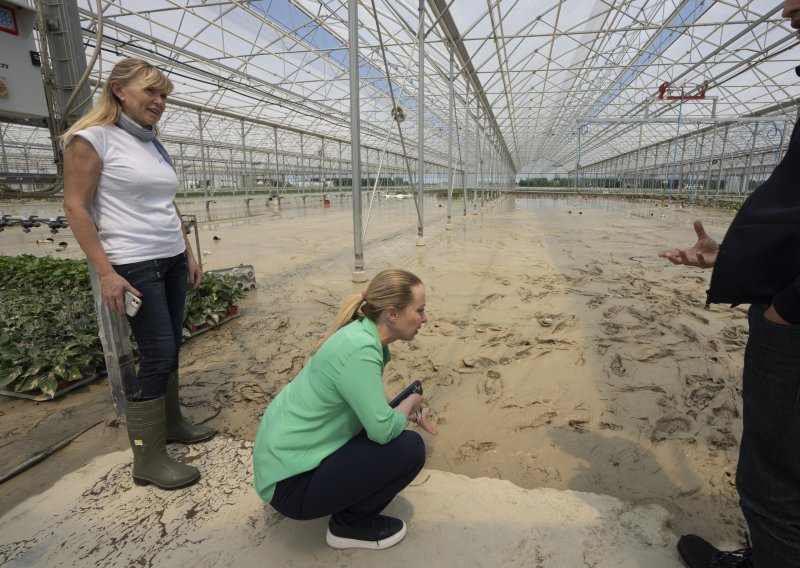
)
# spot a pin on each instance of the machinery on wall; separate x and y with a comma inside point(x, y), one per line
point(43, 83)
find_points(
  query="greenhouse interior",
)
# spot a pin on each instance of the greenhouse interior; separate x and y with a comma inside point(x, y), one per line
point(527, 160)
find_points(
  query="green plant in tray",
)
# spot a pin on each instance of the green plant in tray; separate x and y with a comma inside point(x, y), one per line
point(48, 327)
point(215, 296)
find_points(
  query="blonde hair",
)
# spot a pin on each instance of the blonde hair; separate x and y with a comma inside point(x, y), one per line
point(109, 107)
point(390, 288)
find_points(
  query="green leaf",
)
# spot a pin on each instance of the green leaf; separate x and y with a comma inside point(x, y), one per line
point(9, 376)
point(48, 327)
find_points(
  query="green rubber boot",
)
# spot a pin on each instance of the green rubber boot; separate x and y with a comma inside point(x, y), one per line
point(178, 428)
point(147, 434)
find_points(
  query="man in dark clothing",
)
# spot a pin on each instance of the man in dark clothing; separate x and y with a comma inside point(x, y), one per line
point(759, 263)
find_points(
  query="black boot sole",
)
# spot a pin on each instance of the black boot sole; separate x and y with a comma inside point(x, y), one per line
point(141, 482)
point(179, 441)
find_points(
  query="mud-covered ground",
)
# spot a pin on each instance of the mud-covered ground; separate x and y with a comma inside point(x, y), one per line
point(560, 351)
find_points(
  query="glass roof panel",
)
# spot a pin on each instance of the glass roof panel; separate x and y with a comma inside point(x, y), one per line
point(542, 69)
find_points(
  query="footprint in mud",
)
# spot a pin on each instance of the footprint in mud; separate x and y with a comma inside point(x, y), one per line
point(735, 336)
point(558, 322)
point(475, 364)
point(611, 328)
point(668, 427)
point(617, 367)
point(472, 450)
point(612, 311)
point(580, 425)
point(253, 392)
point(566, 323)
point(524, 352)
point(538, 422)
point(443, 328)
point(596, 302)
point(726, 411)
point(699, 317)
point(703, 396)
point(641, 316)
point(488, 299)
point(525, 295)
point(685, 332)
point(646, 353)
point(491, 386)
point(723, 439)
point(542, 475)
point(579, 418)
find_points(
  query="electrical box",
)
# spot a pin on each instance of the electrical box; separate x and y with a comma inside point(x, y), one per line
point(21, 87)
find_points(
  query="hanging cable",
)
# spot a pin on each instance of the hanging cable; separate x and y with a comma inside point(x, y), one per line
point(397, 117)
point(394, 104)
point(771, 134)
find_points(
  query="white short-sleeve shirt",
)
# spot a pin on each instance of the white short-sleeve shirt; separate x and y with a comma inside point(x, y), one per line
point(133, 209)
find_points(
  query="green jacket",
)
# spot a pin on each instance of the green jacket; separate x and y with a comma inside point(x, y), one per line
point(338, 392)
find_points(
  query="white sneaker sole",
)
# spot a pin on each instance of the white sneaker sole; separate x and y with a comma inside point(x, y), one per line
point(339, 542)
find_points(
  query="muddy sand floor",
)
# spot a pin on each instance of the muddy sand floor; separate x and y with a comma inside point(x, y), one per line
point(560, 352)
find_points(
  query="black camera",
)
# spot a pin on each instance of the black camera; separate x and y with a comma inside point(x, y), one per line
point(415, 387)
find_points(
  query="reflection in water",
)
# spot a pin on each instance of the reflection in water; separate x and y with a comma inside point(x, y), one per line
point(232, 212)
point(653, 209)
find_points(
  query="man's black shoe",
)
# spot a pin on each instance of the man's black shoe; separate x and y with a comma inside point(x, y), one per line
point(381, 533)
point(699, 553)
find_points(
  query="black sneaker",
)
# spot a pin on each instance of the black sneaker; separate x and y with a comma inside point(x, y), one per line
point(699, 553)
point(382, 533)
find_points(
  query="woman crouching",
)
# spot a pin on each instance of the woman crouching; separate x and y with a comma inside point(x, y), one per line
point(329, 443)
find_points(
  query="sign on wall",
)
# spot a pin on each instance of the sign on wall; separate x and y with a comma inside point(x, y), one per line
point(8, 21)
point(21, 87)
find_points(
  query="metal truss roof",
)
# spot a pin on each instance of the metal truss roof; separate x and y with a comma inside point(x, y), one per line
point(540, 68)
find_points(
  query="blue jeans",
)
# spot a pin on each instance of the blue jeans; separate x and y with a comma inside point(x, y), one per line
point(355, 483)
point(158, 325)
point(768, 475)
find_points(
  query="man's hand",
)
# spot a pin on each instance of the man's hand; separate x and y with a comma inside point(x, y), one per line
point(774, 317)
point(703, 254)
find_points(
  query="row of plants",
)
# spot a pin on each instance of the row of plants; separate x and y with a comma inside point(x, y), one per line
point(48, 328)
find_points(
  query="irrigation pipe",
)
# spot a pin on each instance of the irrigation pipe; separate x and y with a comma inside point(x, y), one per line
point(42, 454)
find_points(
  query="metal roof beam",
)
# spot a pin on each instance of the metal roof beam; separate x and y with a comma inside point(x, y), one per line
point(451, 32)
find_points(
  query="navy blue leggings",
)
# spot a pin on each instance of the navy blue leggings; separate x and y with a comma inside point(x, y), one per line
point(355, 483)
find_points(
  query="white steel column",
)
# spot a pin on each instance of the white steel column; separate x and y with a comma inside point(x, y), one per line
point(466, 147)
point(421, 124)
point(355, 143)
point(449, 224)
point(244, 159)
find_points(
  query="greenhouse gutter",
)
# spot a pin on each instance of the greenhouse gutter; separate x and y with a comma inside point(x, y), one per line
point(454, 36)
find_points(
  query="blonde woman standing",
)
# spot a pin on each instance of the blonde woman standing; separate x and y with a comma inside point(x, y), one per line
point(119, 192)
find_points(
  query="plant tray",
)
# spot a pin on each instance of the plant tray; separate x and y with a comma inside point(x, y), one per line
point(244, 275)
point(41, 397)
point(232, 313)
